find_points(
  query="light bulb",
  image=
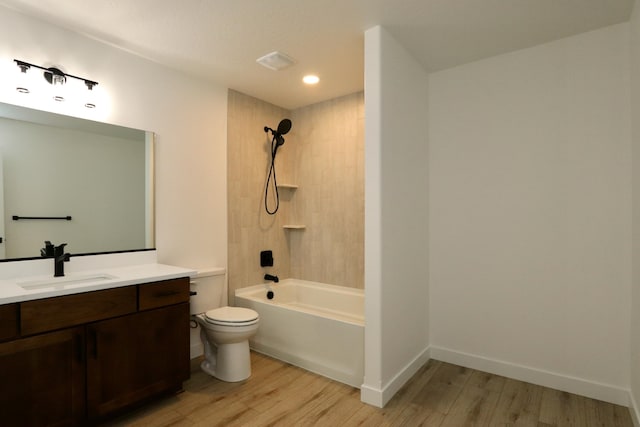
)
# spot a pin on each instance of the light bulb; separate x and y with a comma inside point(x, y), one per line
point(90, 95)
point(22, 85)
point(57, 81)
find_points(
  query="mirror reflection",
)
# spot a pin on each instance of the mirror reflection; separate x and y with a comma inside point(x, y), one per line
point(74, 181)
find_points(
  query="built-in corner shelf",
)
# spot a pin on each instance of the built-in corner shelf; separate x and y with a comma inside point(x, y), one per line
point(291, 226)
point(288, 186)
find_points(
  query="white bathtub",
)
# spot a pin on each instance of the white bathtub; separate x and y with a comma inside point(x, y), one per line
point(312, 325)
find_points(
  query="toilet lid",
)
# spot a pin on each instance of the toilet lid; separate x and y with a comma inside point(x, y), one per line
point(231, 315)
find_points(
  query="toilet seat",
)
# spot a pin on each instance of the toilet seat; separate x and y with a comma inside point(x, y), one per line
point(231, 316)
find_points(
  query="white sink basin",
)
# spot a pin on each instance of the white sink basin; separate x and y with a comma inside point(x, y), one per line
point(65, 281)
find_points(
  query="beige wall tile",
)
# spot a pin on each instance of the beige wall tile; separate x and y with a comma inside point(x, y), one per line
point(251, 229)
point(330, 199)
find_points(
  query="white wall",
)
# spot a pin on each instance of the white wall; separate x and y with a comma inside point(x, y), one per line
point(396, 272)
point(188, 116)
point(530, 214)
point(635, 132)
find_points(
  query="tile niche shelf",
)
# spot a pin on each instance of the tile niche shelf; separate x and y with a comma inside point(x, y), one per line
point(294, 227)
point(291, 226)
point(287, 186)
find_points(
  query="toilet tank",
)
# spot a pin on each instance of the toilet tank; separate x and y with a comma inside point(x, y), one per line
point(210, 286)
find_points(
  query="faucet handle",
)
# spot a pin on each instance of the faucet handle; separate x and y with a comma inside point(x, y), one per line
point(48, 249)
point(59, 250)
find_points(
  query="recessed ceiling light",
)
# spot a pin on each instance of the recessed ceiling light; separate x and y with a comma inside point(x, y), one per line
point(311, 79)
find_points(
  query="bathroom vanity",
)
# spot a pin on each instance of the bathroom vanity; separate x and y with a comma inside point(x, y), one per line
point(94, 347)
point(114, 331)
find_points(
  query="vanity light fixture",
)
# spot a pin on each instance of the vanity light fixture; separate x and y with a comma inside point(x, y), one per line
point(57, 79)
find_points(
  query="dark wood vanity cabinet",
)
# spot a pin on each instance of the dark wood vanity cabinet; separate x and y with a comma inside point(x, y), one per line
point(43, 380)
point(104, 351)
point(133, 357)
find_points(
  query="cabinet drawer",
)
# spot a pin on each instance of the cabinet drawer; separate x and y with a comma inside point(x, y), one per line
point(8, 321)
point(60, 312)
point(160, 294)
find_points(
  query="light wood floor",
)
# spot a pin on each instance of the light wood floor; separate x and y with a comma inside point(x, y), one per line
point(440, 394)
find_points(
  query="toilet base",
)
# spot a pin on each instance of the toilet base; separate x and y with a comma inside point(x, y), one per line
point(226, 350)
point(232, 362)
point(208, 367)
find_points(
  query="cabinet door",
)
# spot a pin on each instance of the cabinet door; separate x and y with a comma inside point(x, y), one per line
point(136, 356)
point(8, 322)
point(43, 380)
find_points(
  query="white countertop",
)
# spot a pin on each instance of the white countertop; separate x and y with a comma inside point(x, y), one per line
point(113, 276)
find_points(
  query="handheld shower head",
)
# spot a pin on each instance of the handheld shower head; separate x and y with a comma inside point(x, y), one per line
point(284, 127)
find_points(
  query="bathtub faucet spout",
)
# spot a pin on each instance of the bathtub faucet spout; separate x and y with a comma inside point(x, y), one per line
point(274, 279)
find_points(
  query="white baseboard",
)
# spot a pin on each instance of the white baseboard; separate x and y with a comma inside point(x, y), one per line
point(594, 390)
point(371, 396)
point(633, 409)
point(380, 397)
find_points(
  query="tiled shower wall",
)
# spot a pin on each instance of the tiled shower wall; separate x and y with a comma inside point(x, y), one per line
point(324, 156)
point(329, 167)
point(251, 229)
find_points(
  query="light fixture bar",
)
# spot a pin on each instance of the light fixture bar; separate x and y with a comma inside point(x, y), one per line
point(54, 71)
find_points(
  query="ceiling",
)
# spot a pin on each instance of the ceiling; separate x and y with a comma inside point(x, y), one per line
point(220, 40)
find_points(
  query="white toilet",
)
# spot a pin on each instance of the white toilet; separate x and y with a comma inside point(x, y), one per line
point(224, 331)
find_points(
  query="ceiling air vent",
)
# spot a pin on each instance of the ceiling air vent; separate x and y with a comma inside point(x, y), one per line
point(276, 61)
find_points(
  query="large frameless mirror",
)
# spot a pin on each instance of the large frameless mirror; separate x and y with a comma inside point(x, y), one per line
point(74, 181)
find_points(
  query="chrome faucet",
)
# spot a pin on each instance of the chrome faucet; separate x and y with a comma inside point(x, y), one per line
point(59, 258)
point(272, 278)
